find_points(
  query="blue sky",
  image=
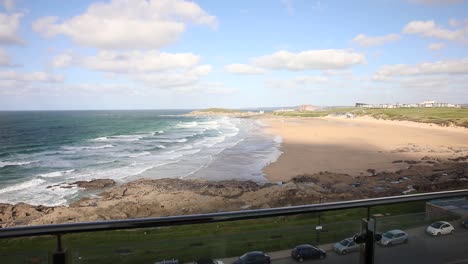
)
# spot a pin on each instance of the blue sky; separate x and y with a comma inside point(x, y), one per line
point(160, 54)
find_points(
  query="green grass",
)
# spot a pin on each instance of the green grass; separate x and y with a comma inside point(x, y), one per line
point(439, 116)
point(186, 243)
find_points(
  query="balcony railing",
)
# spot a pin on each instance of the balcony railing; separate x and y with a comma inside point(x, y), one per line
point(367, 252)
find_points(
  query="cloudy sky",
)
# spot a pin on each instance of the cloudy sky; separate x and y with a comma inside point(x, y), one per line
point(160, 54)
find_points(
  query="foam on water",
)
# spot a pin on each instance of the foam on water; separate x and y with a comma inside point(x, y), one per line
point(187, 148)
point(88, 147)
point(56, 173)
point(21, 186)
point(15, 163)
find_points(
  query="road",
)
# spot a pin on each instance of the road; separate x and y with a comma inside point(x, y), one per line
point(421, 248)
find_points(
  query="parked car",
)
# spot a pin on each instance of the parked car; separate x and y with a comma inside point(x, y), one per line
point(440, 228)
point(345, 246)
point(207, 261)
point(393, 237)
point(465, 223)
point(303, 252)
point(254, 257)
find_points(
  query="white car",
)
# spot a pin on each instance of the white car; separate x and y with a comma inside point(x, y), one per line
point(440, 228)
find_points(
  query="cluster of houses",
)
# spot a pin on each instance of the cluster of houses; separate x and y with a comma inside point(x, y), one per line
point(425, 104)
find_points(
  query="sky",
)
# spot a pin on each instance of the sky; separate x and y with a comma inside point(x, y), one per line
point(176, 54)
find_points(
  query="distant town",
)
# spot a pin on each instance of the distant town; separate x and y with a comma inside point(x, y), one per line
point(424, 104)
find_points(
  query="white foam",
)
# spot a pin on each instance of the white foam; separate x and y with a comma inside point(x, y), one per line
point(56, 173)
point(181, 140)
point(15, 163)
point(125, 138)
point(89, 147)
point(100, 139)
point(187, 124)
point(23, 185)
point(135, 155)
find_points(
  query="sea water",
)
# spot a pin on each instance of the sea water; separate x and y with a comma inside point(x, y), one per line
point(40, 149)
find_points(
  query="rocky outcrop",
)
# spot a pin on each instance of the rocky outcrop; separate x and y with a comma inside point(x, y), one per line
point(163, 197)
point(95, 184)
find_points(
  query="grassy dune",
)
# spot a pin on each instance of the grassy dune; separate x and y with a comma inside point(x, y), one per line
point(439, 116)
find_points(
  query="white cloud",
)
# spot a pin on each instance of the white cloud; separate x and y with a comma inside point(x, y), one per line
point(431, 30)
point(140, 61)
point(310, 60)
point(123, 24)
point(296, 82)
point(9, 5)
point(456, 66)
point(243, 69)
point(30, 77)
point(173, 79)
point(62, 60)
point(436, 46)
point(368, 41)
point(5, 59)
point(17, 83)
point(207, 88)
point(9, 25)
point(436, 2)
point(152, 68)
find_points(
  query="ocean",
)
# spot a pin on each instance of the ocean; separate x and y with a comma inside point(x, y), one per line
point(39, 149)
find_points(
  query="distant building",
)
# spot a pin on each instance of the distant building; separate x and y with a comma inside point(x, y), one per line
point(424, 104)
point(306, 108)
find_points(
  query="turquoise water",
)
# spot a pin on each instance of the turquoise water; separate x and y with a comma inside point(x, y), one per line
point(42, 149)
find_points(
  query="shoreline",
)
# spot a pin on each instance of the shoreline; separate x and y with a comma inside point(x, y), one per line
point(397, 168)
point(355, 146)
point(168, 197)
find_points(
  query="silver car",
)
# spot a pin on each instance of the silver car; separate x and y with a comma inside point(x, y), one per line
point(345, 246)
point(393, 237)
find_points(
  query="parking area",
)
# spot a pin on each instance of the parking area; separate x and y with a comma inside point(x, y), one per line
point(421, 248)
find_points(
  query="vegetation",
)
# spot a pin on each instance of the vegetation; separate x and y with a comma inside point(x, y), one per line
point(218, 240)
point(439, 116)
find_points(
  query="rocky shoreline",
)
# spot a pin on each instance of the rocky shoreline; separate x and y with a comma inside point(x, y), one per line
point(164, 197)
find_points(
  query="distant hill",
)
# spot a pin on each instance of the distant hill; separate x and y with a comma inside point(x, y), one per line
point(223, 112)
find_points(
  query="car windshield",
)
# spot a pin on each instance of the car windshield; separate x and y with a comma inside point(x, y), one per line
point(388, 235)
point(344, 242)
point(244, 257)
point(437, 225)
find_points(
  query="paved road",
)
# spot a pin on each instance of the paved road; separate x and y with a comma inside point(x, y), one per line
point(421, 248)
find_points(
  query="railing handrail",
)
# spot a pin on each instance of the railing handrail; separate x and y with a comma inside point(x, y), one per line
point(57, 229)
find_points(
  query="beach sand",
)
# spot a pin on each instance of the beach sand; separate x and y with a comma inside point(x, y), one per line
point(358, 145)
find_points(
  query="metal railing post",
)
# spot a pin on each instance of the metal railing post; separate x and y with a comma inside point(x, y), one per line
point(367, 248)
point(60, 254)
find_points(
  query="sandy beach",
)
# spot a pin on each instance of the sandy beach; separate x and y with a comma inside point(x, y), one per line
point(358, 145)
point(335, 158)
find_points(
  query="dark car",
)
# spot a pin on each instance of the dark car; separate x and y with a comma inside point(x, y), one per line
point(303, 252)
point(254, 257)
point(465, 223)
